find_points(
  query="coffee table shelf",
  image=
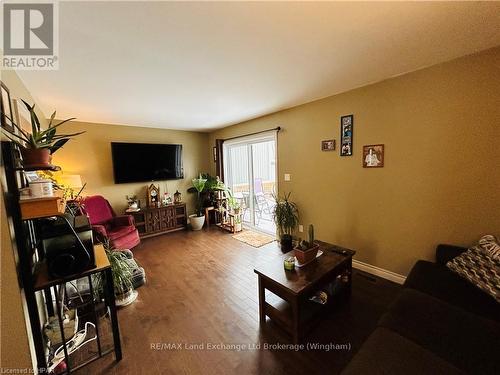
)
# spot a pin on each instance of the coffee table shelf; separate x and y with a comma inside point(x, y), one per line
point(297, 314)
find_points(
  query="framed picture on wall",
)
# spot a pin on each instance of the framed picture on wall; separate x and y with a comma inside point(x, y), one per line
point(5, 108)
point(328, 145)
point(346, 134)
point(373, 156)
point(22, 115)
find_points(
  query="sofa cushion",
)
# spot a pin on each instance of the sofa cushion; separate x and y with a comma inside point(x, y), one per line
point(466, 340)
point(386, 352)
point(478, 267)
point(438, 281)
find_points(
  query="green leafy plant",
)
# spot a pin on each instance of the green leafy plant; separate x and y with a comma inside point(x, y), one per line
point(286, 215)
point(121, 270)
point(233, 203)
point(39, 139)
point(198, 185)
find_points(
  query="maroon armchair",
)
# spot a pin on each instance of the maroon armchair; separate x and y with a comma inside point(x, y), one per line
point(120, 230)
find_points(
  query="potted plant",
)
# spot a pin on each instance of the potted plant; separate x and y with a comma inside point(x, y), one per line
point(235, 208)
point(37, 148)
point(306, 251)
point(198, 219)
point(286, 217)
point(122, 271)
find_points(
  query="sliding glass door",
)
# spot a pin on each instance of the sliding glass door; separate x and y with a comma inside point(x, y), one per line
point(250, 165)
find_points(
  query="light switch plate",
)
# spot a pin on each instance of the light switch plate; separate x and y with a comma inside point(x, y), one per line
point(288, 177)
point(301, 228)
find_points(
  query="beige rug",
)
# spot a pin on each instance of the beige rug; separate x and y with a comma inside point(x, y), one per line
point(254, 239)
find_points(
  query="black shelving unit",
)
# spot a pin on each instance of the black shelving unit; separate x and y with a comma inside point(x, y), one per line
point(34, 277)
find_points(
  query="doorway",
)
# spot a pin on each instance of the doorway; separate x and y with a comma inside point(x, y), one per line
point(250, 171)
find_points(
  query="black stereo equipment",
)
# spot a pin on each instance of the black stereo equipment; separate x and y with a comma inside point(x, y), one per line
point(66, 254)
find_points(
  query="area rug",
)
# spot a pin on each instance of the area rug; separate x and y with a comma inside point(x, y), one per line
point(254, 239)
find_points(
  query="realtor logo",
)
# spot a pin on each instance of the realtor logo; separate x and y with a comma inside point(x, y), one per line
point(29, 36)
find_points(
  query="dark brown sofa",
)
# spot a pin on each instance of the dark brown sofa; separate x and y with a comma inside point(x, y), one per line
point(440, 324)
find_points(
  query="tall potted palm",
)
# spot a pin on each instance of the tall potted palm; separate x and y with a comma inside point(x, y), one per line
point(286, 217)
point(198, 218)
point(38, 146)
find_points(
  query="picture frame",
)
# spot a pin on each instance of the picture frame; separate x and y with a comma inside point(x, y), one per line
point(328, 145)
point(21, 115)
point(6, 116)
point(346, 135)
point(373, 156)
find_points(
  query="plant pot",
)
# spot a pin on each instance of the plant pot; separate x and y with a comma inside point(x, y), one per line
point(196, 221)
point(36, 157)
point(237, 227)
point(126, 298)
point(307, 255)
point(133, 206)
point(286, 243)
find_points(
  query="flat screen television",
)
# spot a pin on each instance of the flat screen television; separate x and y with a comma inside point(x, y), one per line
point(139, 162)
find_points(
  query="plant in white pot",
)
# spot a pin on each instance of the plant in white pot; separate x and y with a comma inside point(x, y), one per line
point(38, 146)
point(198, 219)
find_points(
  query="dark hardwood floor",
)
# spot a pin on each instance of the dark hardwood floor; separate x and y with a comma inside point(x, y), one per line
point(201, 289)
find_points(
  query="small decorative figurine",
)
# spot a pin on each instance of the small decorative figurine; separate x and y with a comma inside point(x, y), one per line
point(167, 199)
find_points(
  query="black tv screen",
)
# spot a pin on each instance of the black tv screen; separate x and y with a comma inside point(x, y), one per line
point(139, 162)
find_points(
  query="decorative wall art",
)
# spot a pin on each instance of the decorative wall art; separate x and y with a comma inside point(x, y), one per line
point(328, 145)
point(373, 156)
point(346, 133)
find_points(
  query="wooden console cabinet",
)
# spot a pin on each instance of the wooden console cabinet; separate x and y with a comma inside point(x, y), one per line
point(152, 221)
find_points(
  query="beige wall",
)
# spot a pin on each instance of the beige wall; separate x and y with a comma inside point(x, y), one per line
point(440, 182)
point(14, 347)
point(89, 155)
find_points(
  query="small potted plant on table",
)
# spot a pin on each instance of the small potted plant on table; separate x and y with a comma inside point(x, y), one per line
point(306, 251)
point(286, 217)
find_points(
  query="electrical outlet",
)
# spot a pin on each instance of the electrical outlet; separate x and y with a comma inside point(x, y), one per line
point(288, 177)
point(301, 228)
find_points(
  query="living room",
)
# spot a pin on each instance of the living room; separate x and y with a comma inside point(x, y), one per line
point(328, 158)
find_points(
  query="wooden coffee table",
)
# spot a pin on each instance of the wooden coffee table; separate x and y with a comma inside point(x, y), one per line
point(297, 286)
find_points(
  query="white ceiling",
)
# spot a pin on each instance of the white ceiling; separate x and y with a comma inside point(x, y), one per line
point(200, 66)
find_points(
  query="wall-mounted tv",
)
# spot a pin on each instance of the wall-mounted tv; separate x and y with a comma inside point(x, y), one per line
point(139, 162)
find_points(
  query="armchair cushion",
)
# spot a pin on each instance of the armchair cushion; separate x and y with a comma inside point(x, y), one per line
point(117, 232)
point(98, 209)
point(123, 221)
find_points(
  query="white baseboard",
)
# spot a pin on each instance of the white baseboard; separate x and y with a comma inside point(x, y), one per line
point(377, 271)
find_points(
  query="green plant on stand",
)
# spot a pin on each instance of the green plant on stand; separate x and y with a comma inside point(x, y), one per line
point(286, 217)
point(235, 206)
point(38, 146)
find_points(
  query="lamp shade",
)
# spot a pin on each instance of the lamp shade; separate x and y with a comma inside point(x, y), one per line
point(70, 180)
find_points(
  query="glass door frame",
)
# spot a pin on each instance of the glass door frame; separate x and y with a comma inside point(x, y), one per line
point(271, 135)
